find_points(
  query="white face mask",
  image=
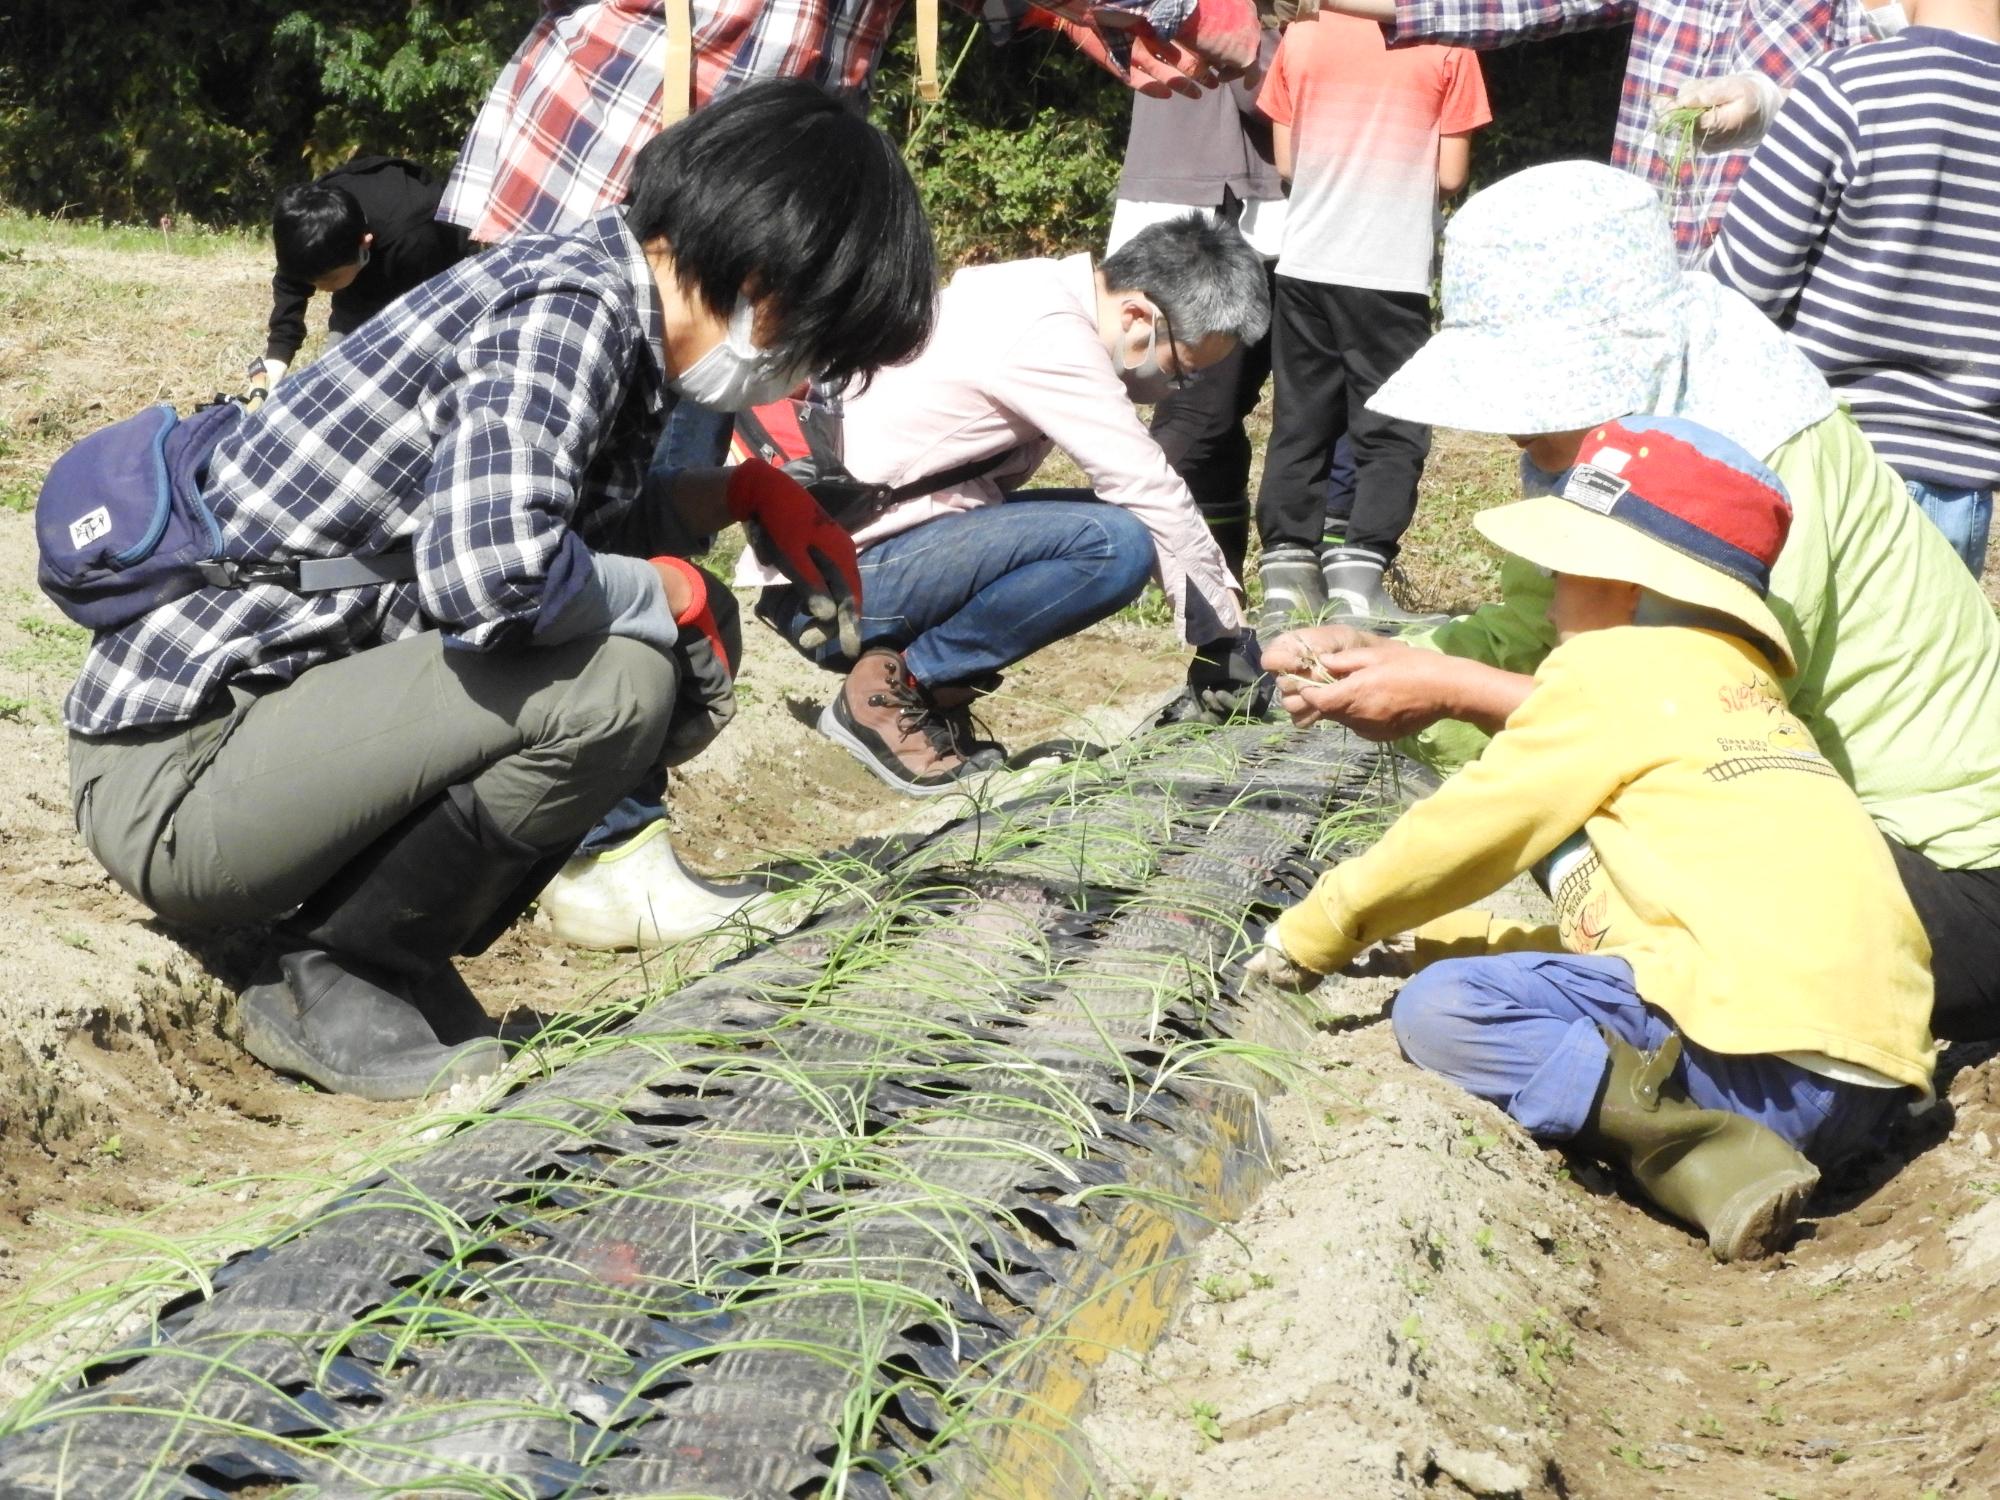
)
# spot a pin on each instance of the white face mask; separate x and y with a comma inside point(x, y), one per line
point(736, 375)
point(1146, 382)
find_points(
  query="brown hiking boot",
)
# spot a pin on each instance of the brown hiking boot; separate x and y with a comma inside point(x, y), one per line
point(888, 722)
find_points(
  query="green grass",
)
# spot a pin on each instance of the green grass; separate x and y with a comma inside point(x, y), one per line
point(26, 232)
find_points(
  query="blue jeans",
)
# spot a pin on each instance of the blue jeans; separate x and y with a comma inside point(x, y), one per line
point(1962, 515)
point(694, 438)
point(967, 594)
point(1521, 1030)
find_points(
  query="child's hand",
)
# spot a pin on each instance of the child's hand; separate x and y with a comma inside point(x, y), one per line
point(1275, 967)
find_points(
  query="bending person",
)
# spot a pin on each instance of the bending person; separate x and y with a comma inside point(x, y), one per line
point(387, 773)
point(1028, 355)
point(365, 233)
point(1564, 308)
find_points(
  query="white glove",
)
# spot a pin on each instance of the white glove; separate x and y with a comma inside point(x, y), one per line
point(1272, 964)
point(1735, 110)
point(274, 370)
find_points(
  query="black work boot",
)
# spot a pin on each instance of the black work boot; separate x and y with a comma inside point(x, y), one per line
point(1737, 1181)
point(361, 997)
point(1353, 579)
point(346, 1026)
point(884, 718)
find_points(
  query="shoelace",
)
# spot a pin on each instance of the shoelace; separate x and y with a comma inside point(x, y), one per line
point(916, 714)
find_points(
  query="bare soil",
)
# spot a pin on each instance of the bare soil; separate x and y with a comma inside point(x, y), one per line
point(1425, 1304)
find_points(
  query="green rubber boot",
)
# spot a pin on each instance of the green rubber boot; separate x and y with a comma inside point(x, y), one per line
point(1737, 1181)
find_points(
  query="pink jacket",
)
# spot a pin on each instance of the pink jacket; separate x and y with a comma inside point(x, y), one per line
point(1016, 364)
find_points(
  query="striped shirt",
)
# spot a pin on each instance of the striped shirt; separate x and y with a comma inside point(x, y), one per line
point(1674, 43)
point(1868, 225)
point(498, 420)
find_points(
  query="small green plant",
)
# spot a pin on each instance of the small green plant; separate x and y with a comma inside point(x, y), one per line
point(1634, 1455)
point(1207, 1419)
point(1219, 1288)
point(1482, 1241)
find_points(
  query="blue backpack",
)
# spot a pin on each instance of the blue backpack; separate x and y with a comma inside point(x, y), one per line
point(121, 524)
point(122, 527)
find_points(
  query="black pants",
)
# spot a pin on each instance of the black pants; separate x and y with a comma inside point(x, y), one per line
point(1960, 910)
point(1200, 429)
point(1332, 348)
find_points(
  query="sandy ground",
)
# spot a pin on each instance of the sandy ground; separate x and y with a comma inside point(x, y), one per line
point(1425, 1304)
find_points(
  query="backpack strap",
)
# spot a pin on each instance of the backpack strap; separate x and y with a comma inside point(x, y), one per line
point(944, 479)
point(313, 575)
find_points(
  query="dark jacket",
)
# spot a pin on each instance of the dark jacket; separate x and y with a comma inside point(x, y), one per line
point(399, 199)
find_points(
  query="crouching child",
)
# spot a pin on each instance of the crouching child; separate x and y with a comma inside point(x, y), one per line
point(1736, 992)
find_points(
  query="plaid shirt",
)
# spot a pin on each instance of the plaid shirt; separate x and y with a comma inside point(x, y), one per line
point(497, 419)
point(553, 142)
point(1673, 44)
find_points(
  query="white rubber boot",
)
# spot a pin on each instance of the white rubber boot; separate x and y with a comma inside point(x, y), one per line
point(637, 896)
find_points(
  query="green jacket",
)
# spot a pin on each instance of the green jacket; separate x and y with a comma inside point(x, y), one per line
point(1898, 649)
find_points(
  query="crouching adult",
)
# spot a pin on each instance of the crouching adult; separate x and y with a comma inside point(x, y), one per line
point(1028, 355)
point(388, 771)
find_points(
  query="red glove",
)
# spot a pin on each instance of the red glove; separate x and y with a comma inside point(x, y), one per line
point(710, 646)
point(790, 532)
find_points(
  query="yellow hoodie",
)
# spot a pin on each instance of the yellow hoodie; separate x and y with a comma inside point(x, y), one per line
point(1722, 857)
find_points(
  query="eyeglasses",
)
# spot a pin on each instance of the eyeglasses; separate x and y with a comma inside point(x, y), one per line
point(1179, 378)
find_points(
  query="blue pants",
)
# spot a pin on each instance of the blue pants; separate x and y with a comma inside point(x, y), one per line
point(694, 438)
point(965, 595)
point(1962, 515)
point(1521, 1030)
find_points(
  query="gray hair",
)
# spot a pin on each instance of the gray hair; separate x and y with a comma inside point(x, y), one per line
point(1202, 274)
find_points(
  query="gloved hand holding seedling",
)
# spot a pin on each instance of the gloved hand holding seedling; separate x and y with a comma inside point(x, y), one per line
point(1720, 114)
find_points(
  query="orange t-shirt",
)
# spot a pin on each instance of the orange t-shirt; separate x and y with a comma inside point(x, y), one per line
point(1365, 120)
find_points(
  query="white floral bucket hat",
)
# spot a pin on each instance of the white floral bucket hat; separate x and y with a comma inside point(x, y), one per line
point(1565, 306)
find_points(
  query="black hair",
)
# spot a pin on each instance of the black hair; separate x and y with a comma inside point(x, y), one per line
point(781, 186)
point(317, 229)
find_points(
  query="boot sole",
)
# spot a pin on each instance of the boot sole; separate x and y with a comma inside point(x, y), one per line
point(841, 735)
point(1759, 1219)
point(272, 1037)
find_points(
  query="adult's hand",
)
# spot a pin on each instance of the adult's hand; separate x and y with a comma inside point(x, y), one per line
point(708, 653)
point(1736, 110)
point(790, 532)
point(1224, 34)
point(1298, 651)
point(1381, 692)
point(1387, 691)
point(1153, 71)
